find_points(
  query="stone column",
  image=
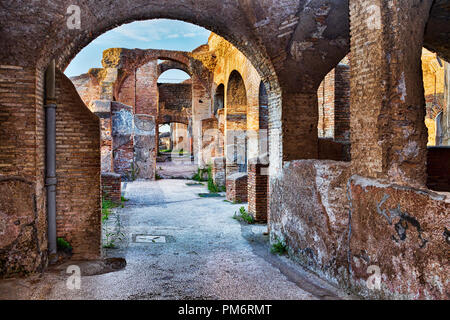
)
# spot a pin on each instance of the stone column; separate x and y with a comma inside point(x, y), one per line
point(145, 146)
point(388, 133)
point(258, 179)
point(122, 134)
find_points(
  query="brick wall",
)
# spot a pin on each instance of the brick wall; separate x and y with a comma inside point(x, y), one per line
point(147, 89)
point(23, 219)
point(175, 96)
point(342, 103)
point(78, 163)
point(210, 139)
point(334, 104)
point(257, 191)
point(111, 187)
point(237, 189)
point(387, 99)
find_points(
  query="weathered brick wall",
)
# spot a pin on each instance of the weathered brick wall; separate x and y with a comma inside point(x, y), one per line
point(175, 102)
point(237, 187)
point(438, 168)
point(230, 59)
point(78, 165)
point(23, 221)
point(147, 88)
point(87, 87)
point(111, 187)
point(210, 140)
point(330, 149)
point(342, 103)
point(258, 180)
point(300, 118)
point(388, 134)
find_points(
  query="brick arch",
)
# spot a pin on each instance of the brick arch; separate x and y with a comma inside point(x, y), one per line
point(172, 64)
point(236, 93)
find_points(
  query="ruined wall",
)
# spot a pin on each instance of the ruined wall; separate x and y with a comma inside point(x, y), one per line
point(78, 167)
point(338, 225)
point(210, 140)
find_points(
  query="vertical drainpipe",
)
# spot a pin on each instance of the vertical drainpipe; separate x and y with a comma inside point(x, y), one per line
point(50, 157)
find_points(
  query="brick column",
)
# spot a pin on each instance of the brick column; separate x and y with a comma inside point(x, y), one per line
point(237, 187)
point(257, 190)
point(388, 133)
point(300, 117)
point(111, 187)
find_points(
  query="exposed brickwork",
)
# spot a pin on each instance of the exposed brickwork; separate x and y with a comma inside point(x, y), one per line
point(22, 170)
point(111, 187)
point(78, 163)
point(258, 199)
point(334, 104)
point(388, 134)
point(175, 102)
point(300, 118)
point(218, 171)
point(237, 189)
point(210, 140)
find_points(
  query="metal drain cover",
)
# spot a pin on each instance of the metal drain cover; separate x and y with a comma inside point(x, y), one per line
point(145, 238)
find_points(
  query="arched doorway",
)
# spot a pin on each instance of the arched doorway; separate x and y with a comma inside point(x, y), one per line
point(236, 124)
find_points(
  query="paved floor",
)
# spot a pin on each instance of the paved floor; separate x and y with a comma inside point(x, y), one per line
point(206, 255)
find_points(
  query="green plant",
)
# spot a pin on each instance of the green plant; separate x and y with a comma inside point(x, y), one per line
point(279, 247)
point(113, 234)
point(212, 187)
point(243, 216)
point(123, 199)
point(199, 176)
point(62, 244)
point(158, 177)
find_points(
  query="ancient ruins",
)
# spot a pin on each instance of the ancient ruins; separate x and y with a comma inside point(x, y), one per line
point(330, 118)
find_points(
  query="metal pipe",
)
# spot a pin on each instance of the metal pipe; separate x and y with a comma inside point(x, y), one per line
point(50, 159)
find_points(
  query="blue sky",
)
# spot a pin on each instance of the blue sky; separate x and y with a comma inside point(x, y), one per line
point(149, 34)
